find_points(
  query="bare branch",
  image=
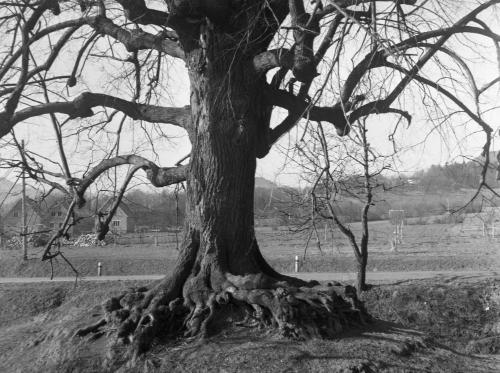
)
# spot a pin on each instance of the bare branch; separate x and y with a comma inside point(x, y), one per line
point(138, 12)
point(305, 29)
point(40, 34)
point(431, 51)
point(25, 74)
point(347, 3)
point(103, 228)
point(270, 59)
point(158, 176)
point(335, 114)
point(441, 90)
point(137, 39)
point(81, 107)
point(489, 85)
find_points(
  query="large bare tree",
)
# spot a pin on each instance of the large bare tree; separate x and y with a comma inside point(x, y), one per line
point(246, 60)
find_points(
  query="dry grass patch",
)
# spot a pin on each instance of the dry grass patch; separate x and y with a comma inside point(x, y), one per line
point(38, 321)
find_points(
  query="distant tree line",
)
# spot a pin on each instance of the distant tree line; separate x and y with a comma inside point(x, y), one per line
point(422, 194)
point(455, 176)
point(162, 210)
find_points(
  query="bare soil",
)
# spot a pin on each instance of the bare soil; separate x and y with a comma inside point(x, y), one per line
point(422, 327)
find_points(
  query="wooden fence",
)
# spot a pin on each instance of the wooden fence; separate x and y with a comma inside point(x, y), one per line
point(147, 238)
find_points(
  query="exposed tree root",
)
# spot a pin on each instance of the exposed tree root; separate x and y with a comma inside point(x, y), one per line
point(141, 315)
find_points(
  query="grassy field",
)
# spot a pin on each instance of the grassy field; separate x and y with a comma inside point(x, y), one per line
point(425, 247)
point(458, 317)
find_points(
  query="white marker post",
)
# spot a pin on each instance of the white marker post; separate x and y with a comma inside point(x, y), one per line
point(296, 263)
point(99, 269)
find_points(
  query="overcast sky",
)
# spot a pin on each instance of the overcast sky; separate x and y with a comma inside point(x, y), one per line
point(421, 144)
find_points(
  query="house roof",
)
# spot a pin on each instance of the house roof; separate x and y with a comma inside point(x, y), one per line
point(29, 201)
point(123, 206)
point(42, 208)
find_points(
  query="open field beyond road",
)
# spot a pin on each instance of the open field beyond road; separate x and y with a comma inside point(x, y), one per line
point(436, 247)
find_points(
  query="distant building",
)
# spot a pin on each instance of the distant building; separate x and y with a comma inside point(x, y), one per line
point(124, 220)
point(13, 219)
point(41, 216)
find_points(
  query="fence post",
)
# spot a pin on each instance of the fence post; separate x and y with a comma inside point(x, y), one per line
point(99, 269)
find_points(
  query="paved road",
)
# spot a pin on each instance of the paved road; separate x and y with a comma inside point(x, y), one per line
point(372, 277)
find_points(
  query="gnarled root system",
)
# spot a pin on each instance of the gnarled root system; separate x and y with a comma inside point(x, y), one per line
point(140, 315)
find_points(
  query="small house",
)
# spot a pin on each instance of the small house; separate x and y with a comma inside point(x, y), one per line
point(124, 220)
point(41, 216)
point(13, 219)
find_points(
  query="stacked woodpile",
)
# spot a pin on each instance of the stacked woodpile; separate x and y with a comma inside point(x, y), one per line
point(15, 243)
point(87, 240)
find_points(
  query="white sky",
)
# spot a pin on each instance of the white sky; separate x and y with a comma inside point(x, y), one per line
point(439, 146)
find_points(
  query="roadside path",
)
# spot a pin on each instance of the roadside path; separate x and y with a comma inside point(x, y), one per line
point(372, 277)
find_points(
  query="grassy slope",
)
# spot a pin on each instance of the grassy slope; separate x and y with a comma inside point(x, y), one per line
point(454, 313)
point(34, 334)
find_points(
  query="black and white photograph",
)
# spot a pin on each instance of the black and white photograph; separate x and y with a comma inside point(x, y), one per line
point(250, 186)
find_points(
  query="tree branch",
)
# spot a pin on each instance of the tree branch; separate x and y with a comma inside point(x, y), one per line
point(40, 34)
point(270, 59)
point(27, 28)
point(347, 3)
point(380, 106)
point(298, 108)
point(449, 31)
point(371, 61)
point(431, 51)
point(138, 39)
point(158, 176)
point(81, 107)
point(103, 227)
point(448, 94)
point(305, 29)
point(137, 11)
point(383, 105)
point(378, 58)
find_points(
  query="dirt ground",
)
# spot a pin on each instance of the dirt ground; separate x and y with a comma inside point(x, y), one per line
point(425, 248)
point(422, 326)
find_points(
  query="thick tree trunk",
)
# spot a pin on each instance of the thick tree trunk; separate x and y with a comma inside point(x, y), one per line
point(219, 260)
point(221, 178)
point(229, 123)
